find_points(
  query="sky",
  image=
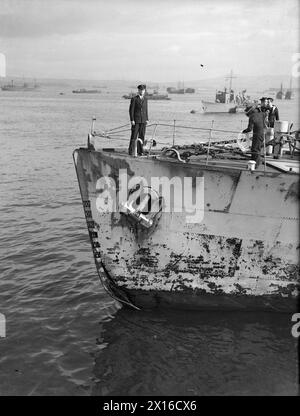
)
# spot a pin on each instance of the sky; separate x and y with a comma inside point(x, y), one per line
point(158, 40)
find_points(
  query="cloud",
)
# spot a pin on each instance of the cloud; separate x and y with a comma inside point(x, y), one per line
point(173, 49)
point(35, 18)
point(270, 33)
point(76, 38)
point(42, 18)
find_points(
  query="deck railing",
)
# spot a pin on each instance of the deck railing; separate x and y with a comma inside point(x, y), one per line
point(172, 132)
point(209, 136)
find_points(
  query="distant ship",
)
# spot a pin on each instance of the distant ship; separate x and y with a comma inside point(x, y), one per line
point(150, 96)
point(189, 90)
point(280, 94)
point(172, 90)
point(24, 87)
point(180, 89)
point(287, 95)
point(226, 101)
point(85, 91)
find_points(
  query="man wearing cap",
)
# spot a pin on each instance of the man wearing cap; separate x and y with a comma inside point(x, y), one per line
point(138, 113)
point(257, 123)
point(263, 104)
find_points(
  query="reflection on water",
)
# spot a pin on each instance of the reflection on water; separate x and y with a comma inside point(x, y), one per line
point(188, 353)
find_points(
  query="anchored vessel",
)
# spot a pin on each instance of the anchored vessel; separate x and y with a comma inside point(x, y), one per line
point(150, 96)
point(288, 93)
point(173, 90)
point(226, 101)
point(233, 245)
point(24, 87)
point(85, 91)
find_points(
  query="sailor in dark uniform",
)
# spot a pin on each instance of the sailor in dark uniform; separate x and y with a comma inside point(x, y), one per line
point(138, 113)
point(273, 113)
point(257, 123)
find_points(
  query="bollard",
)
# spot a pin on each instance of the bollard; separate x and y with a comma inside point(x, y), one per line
point(251, 165)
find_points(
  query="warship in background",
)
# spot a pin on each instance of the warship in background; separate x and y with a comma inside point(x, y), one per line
point(17, 87)
point(226, 101)
point(85, 91)
point(150, 96)
point(287, 95)
point(180, 89)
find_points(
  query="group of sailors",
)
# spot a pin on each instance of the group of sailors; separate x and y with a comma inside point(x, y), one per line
point(240, 98)
point(261, 120)
point(271, 111)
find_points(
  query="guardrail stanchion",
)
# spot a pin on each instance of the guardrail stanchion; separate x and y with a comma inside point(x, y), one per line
point(174, 133)
point(265, 166)
point(209, 140)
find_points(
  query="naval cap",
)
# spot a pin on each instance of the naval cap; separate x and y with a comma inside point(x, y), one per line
point(141, 87)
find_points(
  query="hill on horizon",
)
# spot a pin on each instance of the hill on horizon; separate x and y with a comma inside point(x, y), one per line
point(241, 82)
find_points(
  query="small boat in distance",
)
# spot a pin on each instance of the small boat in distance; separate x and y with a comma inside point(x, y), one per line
point(85, 91)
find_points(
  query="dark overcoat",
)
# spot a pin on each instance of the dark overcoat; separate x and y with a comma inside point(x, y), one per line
point(138, 109)
point(257, 123)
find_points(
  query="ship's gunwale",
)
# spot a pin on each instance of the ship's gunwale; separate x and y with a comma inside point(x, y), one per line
point(212, 165)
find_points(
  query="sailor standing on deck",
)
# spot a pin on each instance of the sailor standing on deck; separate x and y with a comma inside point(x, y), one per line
point(273, 112)
point(138, 113)
point(257, 123)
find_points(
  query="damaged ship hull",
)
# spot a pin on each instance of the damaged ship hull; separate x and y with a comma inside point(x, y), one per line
point(243, 254)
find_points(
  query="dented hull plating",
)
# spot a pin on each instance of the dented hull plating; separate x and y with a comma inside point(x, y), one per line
point(243, 254)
